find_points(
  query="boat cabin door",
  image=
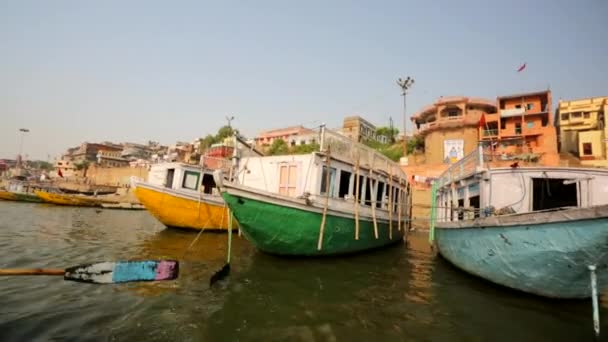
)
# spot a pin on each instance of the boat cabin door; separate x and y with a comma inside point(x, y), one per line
point(169, 178)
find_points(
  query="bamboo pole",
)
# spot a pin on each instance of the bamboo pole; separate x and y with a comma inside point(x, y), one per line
point(399, 204)
point(390, 201)
point(375, 194)
point(327, 193)
point(357, 199)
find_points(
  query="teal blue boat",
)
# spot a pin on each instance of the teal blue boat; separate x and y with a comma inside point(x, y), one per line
point(542, 230)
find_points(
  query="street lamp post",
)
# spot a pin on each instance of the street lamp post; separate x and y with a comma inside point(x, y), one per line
point(229, 118)
point(19, 157)
point(405, 85)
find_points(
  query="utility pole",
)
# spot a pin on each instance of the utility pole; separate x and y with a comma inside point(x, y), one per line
point(405, 85)
point(229, 119)
point(19, 157)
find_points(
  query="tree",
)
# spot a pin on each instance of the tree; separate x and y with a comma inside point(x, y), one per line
point(305, 149)
point(224, 132)
point(206, 142)
point(388, 132)
point(278, 147)
point(414, 143)
point(83, 165)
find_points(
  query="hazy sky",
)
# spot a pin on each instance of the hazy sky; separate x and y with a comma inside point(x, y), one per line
point(74, 71)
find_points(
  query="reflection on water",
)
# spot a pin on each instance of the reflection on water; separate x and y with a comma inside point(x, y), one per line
point(393, 294)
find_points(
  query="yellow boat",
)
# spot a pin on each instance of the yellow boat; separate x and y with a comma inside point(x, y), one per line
point(7, 195)
point(179, 197)
point(72, 200)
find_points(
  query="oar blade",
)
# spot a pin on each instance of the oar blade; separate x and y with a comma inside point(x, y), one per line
point(124, 271)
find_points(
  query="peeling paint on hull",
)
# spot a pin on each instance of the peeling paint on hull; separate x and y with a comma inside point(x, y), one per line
point(547, 259)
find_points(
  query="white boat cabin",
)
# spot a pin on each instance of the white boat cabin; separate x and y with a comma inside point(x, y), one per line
point(183, 177)
point(482, 191)
point(305, 176)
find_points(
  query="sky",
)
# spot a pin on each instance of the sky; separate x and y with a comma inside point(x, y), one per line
point(133, 71)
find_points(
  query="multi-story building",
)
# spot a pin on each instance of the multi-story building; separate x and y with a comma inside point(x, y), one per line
point(358, 129)
point(88, 151)
point(583, 128)
point(296, 135)
point(449, 127)
point(107, 158)
point(523, 125)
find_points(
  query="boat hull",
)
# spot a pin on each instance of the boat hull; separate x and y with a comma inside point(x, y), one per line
point(69, 200)
point(549, 259)
point(7, 195)
point(288, 230)
point(20, 197)
point(178, 211)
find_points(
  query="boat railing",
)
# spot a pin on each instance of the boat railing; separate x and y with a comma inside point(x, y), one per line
point(342, 147)
point(463, 168)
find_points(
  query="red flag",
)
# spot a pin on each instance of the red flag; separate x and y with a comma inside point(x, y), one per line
point(482, 120)
point(521, 68)
point(59, 172)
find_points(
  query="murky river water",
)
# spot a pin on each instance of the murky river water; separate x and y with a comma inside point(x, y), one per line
point(396, 294)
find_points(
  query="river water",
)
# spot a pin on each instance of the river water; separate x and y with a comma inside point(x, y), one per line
point(402, 293)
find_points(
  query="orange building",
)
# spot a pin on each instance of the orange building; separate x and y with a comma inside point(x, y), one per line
point(523, 125)
point(295, 135)
point(450, 127)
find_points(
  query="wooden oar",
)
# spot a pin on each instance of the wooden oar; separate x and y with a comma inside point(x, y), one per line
point(108, 272)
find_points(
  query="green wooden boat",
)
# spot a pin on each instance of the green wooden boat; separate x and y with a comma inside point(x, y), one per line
point(292, 205)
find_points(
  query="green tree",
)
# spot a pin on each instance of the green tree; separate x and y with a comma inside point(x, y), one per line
point(224, 132)
point(388, 132)
point(304, 149)
point(278, 147)
point(83, 165)
point(206, 142)
point(415, 143)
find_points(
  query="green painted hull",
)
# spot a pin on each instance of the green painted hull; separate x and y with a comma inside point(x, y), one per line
point(27, 198)
point(285, 230)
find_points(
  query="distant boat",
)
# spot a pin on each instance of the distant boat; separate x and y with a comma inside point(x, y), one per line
point(342, 199)
point(183, 196)
point(534, 229)
point(70, 200)
point(20, 191)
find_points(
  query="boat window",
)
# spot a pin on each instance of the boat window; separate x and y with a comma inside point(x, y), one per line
point(332, 180)
point(395, 202)
point(361, 179)
point(208, 184)
point(191, 180)
point(379, 193)
point(549, 193)
point(169, 178)
point(460, 212)
point(344, 183)
point(368, 192)
point(474, 204)
point(287, 180)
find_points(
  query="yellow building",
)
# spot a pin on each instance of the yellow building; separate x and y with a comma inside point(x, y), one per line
point(582, 126)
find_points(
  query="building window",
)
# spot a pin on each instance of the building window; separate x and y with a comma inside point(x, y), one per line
point(586, 115)
point(565, 116)
point(452, 113)
point(587, 150)
point(518, 106)
point(529, 106)
point(190, 180)
point(576, 115)
point(518, 128)
point(503, 123)
point(530, 124)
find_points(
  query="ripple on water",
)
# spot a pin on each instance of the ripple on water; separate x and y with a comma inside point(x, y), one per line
point(393, 294)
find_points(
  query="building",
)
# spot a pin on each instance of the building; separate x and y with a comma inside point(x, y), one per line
point(583, 129)
point(107, 158)
point(295, 135)
point(523, 126)
point(89, 151)
point(358, 129)
point(449, 127)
